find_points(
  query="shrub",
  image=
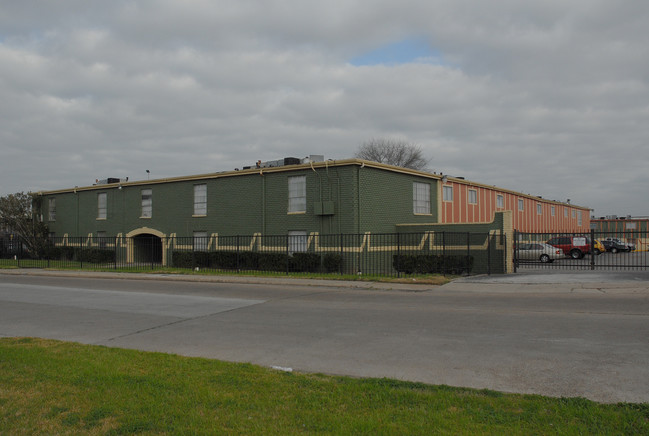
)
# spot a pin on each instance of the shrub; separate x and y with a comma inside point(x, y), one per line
point(304, 262)
point(432, 264)
point(332, 262)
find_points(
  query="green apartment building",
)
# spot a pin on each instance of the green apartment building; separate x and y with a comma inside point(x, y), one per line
point(287, 197)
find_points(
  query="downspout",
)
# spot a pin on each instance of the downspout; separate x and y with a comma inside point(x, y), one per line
point(358, 194)
point(263, 202)
point(320, 190)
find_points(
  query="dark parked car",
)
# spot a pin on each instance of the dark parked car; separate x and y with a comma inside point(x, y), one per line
point(574, 246)
point(614, 245)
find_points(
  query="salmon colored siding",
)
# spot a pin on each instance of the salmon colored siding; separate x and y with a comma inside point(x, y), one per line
point(460, 211)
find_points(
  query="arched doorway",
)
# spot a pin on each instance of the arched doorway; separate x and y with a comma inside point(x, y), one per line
point(146, 246)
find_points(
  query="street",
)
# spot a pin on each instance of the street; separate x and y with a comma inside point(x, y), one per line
point(545, 339)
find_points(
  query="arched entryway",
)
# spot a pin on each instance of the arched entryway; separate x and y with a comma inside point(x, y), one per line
point(146, 246)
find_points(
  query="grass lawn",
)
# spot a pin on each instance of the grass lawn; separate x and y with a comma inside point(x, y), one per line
point(50, 387)
point(427, 279)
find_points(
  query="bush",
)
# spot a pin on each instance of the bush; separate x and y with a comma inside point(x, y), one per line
point(332, 262)
point(432, 264)
point(304, 262)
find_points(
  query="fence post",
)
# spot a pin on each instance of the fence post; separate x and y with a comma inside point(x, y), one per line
point(468, 253)
point(398, 254)
point(341, 255)
point(488, 254)
point(514, 250)
point(287, 255)
point(115, 251)
point(238, 262)
point(444, 252)
point(592, 249)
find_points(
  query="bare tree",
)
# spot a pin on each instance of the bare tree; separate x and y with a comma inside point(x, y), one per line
point(17, 215)
point(393, 152)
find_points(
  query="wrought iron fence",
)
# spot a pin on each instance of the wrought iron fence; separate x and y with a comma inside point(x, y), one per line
point(386, 254)
point(594, 250)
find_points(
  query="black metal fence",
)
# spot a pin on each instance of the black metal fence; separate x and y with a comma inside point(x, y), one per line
point(594, 250)
point(393, 254)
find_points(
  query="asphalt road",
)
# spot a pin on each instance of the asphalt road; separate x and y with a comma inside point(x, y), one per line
point(511, 333)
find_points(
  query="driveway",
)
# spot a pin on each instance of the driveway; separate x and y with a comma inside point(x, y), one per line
point(533, 335)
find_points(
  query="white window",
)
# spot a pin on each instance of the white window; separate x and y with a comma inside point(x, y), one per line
point(473, 196)
point(51, 208)
point(539, 209)
point(552, 210)
point(630, 226)
point(578, 217)
point(573, 214)
point(102, 206)
point(500, 201)
point(297, 241)
point(200, 241)
point(421, 198)
point(297, 194)
point(521, 205)
point(448, 193)
point(147, 203)
point(200, 200)
point(565, 213)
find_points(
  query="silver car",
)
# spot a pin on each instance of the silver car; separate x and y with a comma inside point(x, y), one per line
point(538, 251)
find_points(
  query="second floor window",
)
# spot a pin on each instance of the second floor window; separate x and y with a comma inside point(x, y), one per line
point(102, 208)
point(500, 201)
point(473, 196)
point(200, 199)
point(297, 194)
point(51, 209)
point(447, 193)
point(421, 198)
point(521, 205)
point(147, 203)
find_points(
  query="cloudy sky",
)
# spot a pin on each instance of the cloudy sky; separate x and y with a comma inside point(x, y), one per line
point(547, 97)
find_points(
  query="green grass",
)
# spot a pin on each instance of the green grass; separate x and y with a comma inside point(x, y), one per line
point(50, 387)
point(428, 279)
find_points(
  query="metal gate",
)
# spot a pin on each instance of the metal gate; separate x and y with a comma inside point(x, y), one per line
point(581, 251)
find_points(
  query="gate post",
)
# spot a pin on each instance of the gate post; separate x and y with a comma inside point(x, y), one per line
point(592, 249)
point(515, 257)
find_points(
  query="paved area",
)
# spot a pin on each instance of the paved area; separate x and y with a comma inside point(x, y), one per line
point(574, 335)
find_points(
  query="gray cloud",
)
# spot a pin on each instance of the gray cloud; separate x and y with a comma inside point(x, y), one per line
point(549, 98)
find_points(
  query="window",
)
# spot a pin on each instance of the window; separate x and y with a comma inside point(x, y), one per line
point(521, 205)
point(200, 200)
point(200, 241)
point(552, 210)
point(297, 241)
point(473, 196)
point(421, 198)
point(539, 209)
point(101, 206)
point(565, 213)
point(500, 201)
point(448, 193)
point(573, 214)
point(297, 194)
point(51, 209)
point(147, 203)
point(578, 217)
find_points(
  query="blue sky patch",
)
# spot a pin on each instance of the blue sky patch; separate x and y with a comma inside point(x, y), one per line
point(401, 52)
